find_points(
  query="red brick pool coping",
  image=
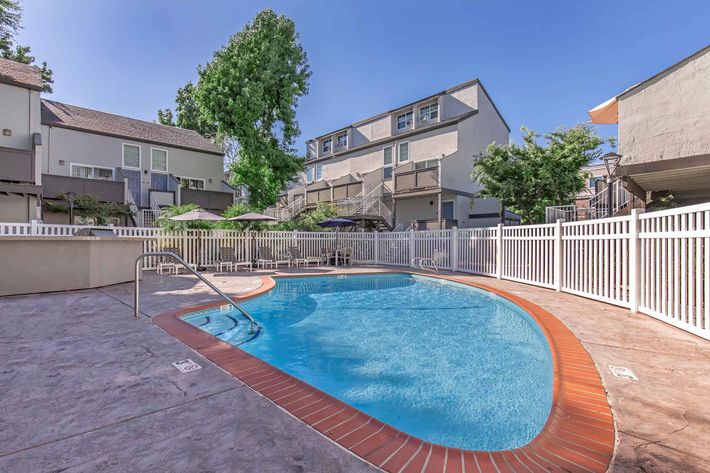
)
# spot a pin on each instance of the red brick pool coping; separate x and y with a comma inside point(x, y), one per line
point(579, 435)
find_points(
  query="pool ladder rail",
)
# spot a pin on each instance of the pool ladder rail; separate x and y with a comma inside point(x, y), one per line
point(253, 326)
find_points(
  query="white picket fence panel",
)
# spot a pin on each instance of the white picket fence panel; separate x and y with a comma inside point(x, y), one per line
point(656, 263)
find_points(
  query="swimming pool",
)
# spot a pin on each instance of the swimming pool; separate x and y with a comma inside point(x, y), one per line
point(443, 361)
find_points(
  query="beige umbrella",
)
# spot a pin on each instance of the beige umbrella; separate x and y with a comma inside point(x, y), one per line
point(197, 214)
point(253, 217)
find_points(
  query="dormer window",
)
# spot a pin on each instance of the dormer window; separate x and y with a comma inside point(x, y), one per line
point(341, 141)
point(327, 145)
point(429, 113)
point(404, 120)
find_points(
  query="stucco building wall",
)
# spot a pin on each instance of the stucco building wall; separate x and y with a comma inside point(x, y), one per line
point(668, 117)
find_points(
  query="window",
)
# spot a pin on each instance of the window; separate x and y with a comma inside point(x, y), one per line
point(158, 160)
point(387, 162)
point(309, 174)
point(429, 163)
point(131, 156)
point(429, 112)
point(327, 145)
point(593, 181)
point(91, 172)
point(341, 141)
point(403, 152)
point(319, 172)
point(404, 120)
point(192, 183)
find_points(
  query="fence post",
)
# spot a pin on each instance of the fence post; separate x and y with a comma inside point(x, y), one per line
point(33, 227)
point(634, 261)
point(412, 248)
point(557, 258)
point(377, 247)
point(454, 251)
point(185, 254)
point(499, 251)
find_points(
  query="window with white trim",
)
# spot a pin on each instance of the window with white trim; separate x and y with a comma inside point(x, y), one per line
point(191, 183)
point(158, 160)
point(429, 163)
point(387, 162)
point(309, 174)
point(327, 145)
point(429, 112)
point(91, 172)
point(319, 172)
point(404, 120)
point(131, 156)
point(403, 152)
point(341, 141)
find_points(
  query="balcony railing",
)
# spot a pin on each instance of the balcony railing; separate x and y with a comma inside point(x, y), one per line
point(213, 200)
point(17, 165)
point(418, 179)
point(105, 191)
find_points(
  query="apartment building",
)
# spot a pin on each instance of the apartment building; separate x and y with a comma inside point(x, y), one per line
point(410, 166)
point(663, 125)
point(48, 148)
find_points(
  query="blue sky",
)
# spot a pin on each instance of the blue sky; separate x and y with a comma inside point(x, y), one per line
point(544, 63)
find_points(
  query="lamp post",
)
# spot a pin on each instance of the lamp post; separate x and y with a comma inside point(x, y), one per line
point(611, 162)
point(70, 197)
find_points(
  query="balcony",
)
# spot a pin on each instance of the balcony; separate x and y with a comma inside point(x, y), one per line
point(210, 200)
point(105, 191)
point(17, 165)
point(416, 180)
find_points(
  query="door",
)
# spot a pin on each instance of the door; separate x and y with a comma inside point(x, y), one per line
point(134, 184)
point(447, 210)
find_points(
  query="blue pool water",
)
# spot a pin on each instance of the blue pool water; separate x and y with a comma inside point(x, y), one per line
point(443, 361)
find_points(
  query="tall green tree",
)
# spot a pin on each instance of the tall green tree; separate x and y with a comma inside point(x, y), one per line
point(188, 114)
point(529, 177)
point(250, 89)
point(10, 24)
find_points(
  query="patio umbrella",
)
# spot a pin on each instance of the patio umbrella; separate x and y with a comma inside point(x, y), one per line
point(197, 214)
point(337, 223)
point(253, 217)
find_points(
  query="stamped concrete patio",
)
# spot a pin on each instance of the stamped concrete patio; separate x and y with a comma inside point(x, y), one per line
point(86, 387)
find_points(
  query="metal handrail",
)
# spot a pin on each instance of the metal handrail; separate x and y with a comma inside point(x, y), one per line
point(136, 294)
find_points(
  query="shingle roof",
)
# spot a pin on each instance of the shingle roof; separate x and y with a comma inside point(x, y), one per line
point(16, 73)
point(83, 119)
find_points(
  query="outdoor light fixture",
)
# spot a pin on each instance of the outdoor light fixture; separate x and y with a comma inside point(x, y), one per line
point(611, 162)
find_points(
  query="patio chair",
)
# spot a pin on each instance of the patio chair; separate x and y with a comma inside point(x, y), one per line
point(297, 258)
point(266, 258)
point(346, 256)
point(326, 256)
point(169, 264)
point(228, 260)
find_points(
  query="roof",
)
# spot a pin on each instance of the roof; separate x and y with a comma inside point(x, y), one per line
point(63, 115)
point(664, 72)
point(21, 75)
point(430, 97)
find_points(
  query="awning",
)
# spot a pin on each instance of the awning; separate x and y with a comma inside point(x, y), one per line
point(606, 113)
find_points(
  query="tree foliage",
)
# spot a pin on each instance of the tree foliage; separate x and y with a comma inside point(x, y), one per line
point(174, 210)
point(188, 114)
point(308, 221)
point(88, 206)
point(250, 89)
point(529, 177)
point(10, 24)
point(240, 208)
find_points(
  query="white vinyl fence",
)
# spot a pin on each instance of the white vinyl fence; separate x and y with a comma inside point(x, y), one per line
point(656, 263)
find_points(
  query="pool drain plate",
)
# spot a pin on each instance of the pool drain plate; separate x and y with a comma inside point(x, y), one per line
point(622, 372)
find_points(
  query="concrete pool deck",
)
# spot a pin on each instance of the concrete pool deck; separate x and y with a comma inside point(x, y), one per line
point(86, 387)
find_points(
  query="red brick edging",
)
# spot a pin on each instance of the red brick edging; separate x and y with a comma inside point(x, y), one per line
point(579, 435)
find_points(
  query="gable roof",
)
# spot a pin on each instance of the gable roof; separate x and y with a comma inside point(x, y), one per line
point(21, 75)
point(63, 115)
point(410, 104)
